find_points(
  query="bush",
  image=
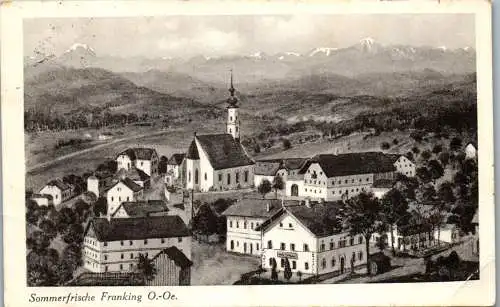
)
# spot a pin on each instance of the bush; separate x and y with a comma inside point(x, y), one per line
point(385, 145)
point(415, 150)
point(426, 154)
point(286, 144)
point(395, 142)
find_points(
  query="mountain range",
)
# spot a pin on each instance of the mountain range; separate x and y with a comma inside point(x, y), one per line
point(367, 56)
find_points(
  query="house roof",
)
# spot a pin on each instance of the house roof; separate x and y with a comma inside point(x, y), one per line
point(138, 228)
point(266, 168)
point(353, 163)
point(176, 159)
point(143, 208)
point(192, 152)
point(177, 256)
point(59, 183)
point(139, 153)
point(129, 183)
point(321, 219)
point(134, 173)
point(223, 151)
point(254, 208)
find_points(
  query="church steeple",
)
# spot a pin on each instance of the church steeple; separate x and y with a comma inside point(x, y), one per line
point(233, 122)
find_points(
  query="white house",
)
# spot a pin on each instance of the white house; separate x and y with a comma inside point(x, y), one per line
point(42, 199)
point(58, 190)
point(242, 220)
point(471, 150)
point(122, 191)
point(409, 237)
point(218, 162)
point(308, 236)
point(145, 159)
point(270, 168)
point(174, 165)
point(114, 245)
point(404, 165)
point(448, 233)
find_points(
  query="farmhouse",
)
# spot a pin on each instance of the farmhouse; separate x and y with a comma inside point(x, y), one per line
point(114, 245)
point(145, 159)
point(270, 168)
point(334, 177)
point(307, 235)
point(242, 220)
point(58, 190)
point(123, 190)
point(136, 175)
point(173, 268)
point(218, 161)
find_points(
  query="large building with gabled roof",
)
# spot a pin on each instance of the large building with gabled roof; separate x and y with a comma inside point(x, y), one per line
point(218, 162)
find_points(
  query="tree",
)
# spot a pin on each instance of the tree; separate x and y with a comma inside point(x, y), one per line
point(274, 272)
point(286, 144)
point(415, 150)
point(256, 148)
point(49, 228)
point(455, 144)
point(361, 215)
point(72, 254)
point(409, 155)
point(38, 241)
point(426, 154)
point(82, 210)
point(146, 267)
point(65, 218)
point(424, 174)
point(394, 211)
point(444, 158)
point(100, 206)
point(395, 142)
point(385, 145)
point(41, 267)
point(435, 169)
point(278, 184)
point(205, 221)
point(73, 234)
point(437, 149)
point(264, 187)
point(287, 273)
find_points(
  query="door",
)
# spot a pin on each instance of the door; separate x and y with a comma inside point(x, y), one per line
point(244, 247)
point(295, 190)
point(342, 265)
point(251, 248)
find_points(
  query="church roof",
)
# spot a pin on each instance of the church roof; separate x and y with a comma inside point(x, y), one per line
point(192, 152)
point(223, 151)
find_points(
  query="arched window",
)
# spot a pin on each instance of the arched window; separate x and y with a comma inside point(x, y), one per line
point(196, 176)
point(230, 131)
point(246, 176)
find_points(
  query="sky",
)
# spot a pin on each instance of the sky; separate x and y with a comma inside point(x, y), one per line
point(187, 36)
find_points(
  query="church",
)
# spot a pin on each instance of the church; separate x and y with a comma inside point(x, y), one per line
point(218, 162)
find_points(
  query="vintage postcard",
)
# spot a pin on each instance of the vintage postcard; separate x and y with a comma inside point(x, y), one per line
point(247, 153)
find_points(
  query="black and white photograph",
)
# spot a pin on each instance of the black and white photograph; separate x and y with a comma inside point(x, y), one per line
point(255, 149)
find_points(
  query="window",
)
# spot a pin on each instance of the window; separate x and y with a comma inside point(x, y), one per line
point(105, 243)
point(333, 262)
point(251, 225)
point(228, 178)
point(128, 198)
point(360, 255)
point(131, 255)
point(351, 241)
point(230, 131)
point(292, 247)
point(196, 176)
point(121, 267)
point(323, 263)
point(269, 244)
point(205, 176)
point(333, 192)
point(332, 245)
point(360, 180)
point(360, 240)
point(119, 198)
point(220, 177)
point(237, 224)
point(162, 240)
point(189, 176)
point(112, 198)
point(130, 242)
point(306, 265)
point(257, 247)
point(294, 265)
point(345, 181)
point(246, 176)
point(237, 177)
point(333, 182)
point(281, 224)
point(306, 248)
point(232, 244)
point(290, 225)
point(271, 262)
point(105, 257)
point(121, 256)
point(245, 225)
point(121, 243)
point(131, 266)
point(145, 241)
point(282, 262)
point(367, 179)
point(179, 239)
point(230, 118)
point(282, 246)
point(230, 224)
point(322, 246)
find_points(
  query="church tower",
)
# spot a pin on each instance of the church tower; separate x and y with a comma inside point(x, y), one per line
point(233, 120)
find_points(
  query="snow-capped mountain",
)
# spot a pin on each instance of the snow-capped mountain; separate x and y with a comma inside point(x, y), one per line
point(79, 47)
point(322, 51)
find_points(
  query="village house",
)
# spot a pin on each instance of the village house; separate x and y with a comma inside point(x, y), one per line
point(99, 182)
point(145, 159)
point(136, 175)
point(409, 237)
point(242, 220)
point(173, 268)
point(307, 235)
point(58, 190)
point(175, 165)
point(448, 233)
point(42, 199)
point(121, 191)
point(142, 208)
point(270, 168)
point(218, 162)
point(114, 245)
point(334, 177)
point(470, 150)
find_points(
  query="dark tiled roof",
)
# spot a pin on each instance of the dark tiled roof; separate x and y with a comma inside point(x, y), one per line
point(176, 159)
point(60, 184)
point(127, 182)
point(320, 218)
point(177, 256)
point(140, 153)
point(143, 208)
point(353, 163)
point(223, 151)
point(134, 173)
point(254, 208)
point(193, 151)
point(139, 228)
